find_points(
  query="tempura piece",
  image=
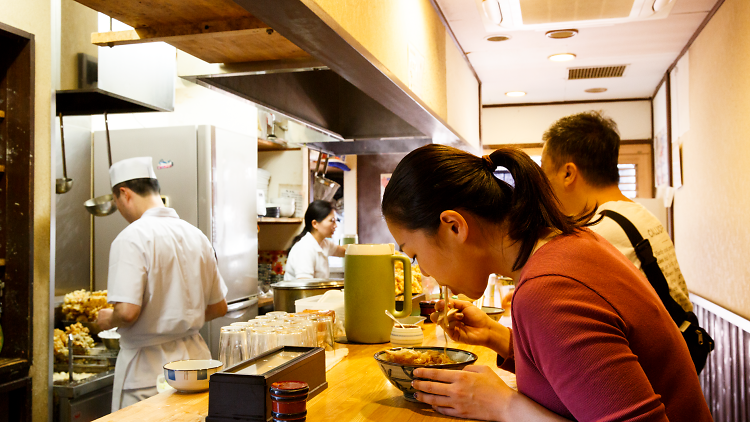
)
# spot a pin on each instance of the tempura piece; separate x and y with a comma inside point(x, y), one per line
point(416, 277)
point(84, 306)
point(413, 357)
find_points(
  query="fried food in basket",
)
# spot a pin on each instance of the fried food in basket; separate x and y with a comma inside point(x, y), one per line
point(83, 306)
point(413, 357)
point(416, 278)
point(81, 340)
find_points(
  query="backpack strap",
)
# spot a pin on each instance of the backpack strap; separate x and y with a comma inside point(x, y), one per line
point(650, 266)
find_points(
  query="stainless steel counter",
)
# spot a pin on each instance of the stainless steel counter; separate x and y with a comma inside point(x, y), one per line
point(84, 400)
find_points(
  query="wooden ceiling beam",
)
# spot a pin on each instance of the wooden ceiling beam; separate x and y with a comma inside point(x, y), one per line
point(181, 33)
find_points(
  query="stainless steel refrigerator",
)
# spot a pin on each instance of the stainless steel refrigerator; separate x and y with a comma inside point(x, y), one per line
point(208, 175)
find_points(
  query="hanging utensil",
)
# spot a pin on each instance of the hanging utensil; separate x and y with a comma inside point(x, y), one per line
point(63, 185)
point(103, 205)
point(324, 188)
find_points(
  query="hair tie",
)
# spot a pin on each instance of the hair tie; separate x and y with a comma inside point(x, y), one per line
point(491, 166)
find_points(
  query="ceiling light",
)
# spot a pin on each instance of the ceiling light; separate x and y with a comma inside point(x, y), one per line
point(492, 11)
point(562, 57)
point(498, 38)
point(596, 90)
point(515, 94)
point(559, 34)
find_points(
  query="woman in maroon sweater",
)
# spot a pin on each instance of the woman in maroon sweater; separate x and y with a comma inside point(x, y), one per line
point(591, 339)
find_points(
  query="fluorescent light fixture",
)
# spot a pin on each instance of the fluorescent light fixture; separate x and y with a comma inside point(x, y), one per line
point(596, 90)
point(492, 10)
point(515, 94)
point(562, 57)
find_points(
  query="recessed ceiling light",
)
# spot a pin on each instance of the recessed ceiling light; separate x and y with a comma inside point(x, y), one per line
point(596, 90)
point(563, 57)
point(515, 94)
point(498, 38)
point(562, 33)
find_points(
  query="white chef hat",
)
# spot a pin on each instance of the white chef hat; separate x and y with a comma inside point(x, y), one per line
point(131, 168)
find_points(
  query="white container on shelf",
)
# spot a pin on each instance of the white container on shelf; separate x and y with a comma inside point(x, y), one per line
point(260, 204)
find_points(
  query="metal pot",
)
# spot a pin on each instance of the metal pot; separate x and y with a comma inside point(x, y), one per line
point(286, 292)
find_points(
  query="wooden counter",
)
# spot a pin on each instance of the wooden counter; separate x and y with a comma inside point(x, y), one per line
point(357, 391)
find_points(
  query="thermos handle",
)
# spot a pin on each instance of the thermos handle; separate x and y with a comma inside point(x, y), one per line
point(407, 287)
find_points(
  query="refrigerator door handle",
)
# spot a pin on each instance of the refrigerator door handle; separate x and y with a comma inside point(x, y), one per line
point(233, 308)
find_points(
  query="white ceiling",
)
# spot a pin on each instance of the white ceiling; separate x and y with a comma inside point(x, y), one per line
point(648, 44)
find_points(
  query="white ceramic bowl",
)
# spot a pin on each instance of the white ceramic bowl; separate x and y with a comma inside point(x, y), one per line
point(494, 313)
point(409, 336)
point(285, 210)
point(191, 375)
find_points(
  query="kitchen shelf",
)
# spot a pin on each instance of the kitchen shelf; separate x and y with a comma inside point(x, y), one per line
point(217, 31)
point(266, 145)
point(279, 220)
point(85, 102)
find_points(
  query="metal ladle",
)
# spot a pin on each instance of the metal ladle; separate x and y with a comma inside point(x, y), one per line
point(103, 205)
point(63, 185)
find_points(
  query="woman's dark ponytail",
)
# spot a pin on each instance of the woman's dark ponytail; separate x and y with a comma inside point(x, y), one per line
point(318, 210)
point(534, 206)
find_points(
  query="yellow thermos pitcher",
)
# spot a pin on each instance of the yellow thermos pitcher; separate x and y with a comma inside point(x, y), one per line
point(370, 289)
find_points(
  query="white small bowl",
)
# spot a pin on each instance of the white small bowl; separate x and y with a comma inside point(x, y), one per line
point(409, 336)
point(191, 375)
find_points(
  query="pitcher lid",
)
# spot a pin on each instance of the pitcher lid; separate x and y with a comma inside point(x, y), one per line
point(371, 249)
point(308, 283)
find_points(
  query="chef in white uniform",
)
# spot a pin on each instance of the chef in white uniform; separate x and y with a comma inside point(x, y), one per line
point(163, 281)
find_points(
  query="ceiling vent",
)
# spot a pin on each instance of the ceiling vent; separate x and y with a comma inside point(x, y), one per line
point(596, 72)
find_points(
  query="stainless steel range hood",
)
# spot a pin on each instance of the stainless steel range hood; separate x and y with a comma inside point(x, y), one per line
point(342, 90)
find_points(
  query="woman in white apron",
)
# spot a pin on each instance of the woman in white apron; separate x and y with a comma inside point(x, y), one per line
point(308, 256)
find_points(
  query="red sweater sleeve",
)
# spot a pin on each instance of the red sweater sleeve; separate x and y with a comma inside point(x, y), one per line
point(575, 351)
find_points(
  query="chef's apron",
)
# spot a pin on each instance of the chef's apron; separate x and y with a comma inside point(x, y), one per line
point(129, 351)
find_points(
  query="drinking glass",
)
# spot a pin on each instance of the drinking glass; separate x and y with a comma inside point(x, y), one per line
point(276, 314)
point(279, 323)
point(290, 337)
point(324, 331)
point(233, 347)
point(262, 339)
point(308, 329)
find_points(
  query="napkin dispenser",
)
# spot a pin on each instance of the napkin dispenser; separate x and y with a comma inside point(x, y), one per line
point(242, 392)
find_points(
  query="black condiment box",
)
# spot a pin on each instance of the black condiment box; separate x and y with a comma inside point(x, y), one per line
point(236, 397)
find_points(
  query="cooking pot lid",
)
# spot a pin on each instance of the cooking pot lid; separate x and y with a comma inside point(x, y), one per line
point(308, 283)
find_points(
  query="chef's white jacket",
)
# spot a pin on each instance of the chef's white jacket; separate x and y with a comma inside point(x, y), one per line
point(167, 267)
point(309, 259)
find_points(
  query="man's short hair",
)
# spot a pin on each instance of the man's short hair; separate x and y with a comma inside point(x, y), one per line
point(590, 141)
point(142, 187)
